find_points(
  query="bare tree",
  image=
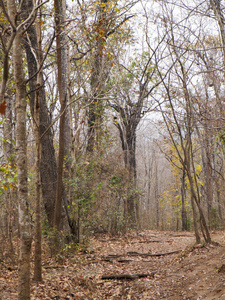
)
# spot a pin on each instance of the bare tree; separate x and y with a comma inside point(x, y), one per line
point(177, 49)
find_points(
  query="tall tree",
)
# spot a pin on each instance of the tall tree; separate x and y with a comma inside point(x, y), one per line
point(48, 166)
point(64, 130)
point(131, 102)
point(177, 49)
point(98, 76)
point(21, 154)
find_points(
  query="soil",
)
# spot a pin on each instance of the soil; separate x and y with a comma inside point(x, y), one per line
point(157, 265)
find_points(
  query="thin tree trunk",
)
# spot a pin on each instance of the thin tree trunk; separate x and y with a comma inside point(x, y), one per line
point(197, 236)
point(219, 206)
point(37, 255)
point(183, 210)
point(156, 193)
point(21, 159)
point(8, 155)
point(197, 199)
point(62, 87)
point(37, 250)
point(202, 217)
point(209, 178)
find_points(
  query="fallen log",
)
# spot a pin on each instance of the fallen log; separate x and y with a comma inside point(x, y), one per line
point(131, 253)
point(110, 257)
point(127, 276)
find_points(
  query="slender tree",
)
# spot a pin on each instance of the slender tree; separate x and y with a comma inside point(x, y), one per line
point(61, 51)
point(21, 154)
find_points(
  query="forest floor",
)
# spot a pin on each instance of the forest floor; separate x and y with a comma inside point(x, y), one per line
point(156, 265)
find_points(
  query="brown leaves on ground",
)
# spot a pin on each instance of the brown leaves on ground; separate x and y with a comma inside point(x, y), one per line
point(194, 273)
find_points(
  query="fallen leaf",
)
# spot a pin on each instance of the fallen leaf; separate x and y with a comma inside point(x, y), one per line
point(2, 108)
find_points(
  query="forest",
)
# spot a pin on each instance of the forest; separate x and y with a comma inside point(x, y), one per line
point(112, 128)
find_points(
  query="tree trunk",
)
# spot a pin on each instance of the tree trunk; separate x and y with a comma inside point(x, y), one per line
point(156, 194)
point(183, 196)
point(127, 131)
point(97, 80)
point(63, 98)
point(209, 175)
point(197, 236)
point(188, 155)
point(196, 200)
point(8, 155)
point(21, 159)
point(37, 250)
point(48, 166)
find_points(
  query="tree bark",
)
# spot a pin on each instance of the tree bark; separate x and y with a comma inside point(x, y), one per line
point(8, 150)
point(37, 249)
point(21, 159)
point(197, 236)
point(127, 131)
point(97, 80)
point(48, 166)
point(63, 98)
point(183, 196)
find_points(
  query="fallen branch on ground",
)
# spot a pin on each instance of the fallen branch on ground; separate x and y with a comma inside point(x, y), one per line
point(127, 276)
point(110, 257)
point(152, 254)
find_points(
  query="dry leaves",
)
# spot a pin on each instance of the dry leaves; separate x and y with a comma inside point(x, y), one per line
point(78, 275)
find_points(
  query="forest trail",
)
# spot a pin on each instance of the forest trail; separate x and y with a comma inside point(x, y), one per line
point(157, 265)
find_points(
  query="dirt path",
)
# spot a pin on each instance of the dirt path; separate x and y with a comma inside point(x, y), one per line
point(190, 273)
point(196, 274)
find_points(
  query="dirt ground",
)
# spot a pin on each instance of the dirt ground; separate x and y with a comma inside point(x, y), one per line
point(157, 265)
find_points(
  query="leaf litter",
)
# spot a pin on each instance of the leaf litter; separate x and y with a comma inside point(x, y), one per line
point(141, 265)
